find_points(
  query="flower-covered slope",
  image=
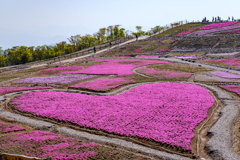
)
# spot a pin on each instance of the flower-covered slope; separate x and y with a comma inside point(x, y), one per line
point(163, 112)
point(116, 66)
point(5, 128)
point(102, 84)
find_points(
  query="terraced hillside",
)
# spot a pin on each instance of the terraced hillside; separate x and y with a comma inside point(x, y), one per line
point(168, 97)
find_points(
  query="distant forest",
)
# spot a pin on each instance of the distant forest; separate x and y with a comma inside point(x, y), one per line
point(23, 54)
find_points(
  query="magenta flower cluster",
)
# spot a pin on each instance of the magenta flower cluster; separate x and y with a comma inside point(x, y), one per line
point(232, 62)
point(149, 56)
point(137, 50)
point(5, 90)
point(115, 66)
point(64, 68)
point(103, 84)
point(162, 50)
point(5, 128)
point(45, 144)
point(217, 25)
point(187, 56)
point(56, 79)
point(225, 74)
point(164, 74)
point(203, 32)
point(232, 88)
point(185, 33)
point(164, 112)
point(232, 32)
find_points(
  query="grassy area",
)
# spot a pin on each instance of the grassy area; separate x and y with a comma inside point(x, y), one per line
point(218, 63)
point(146, 47)
point(179, 29)
point(21, 73)
point(179, 68)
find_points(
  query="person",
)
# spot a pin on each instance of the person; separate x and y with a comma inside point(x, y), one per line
point(232, 18)
point(215, 19)
point(136, 37)
point(94, 49)
point(110, 44)
point(228, 18)
point(212, 19)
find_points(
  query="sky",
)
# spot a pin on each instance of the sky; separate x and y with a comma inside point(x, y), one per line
point(39, 22)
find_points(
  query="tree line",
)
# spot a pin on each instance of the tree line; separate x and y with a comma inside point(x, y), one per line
point(23, 54)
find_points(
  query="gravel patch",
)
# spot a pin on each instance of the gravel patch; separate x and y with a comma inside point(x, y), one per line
point(222, 141)
point(41, 125)
point(120, 144)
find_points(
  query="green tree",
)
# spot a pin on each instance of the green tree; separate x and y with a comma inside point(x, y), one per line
point(110, 29)
point(116, 31)
point(139, 28)
point(122, 33)
point(156, 29)
point(2, 63)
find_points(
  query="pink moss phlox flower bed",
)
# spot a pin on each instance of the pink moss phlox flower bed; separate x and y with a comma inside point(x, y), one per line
point(116, 66)
point(187, 56)
point(109, 57)
point(185, 33)
point(103, 84)
point(45, 144)
point(162, 50)
point(235, 62)
point(225, 74)
point(137, 50)
point(56, 79)
point(149, 55)
point(232, 88)
point(203, 32)
point(164, 74)
point(164, 112)
point(64, 68)
point(232, 32)
point(217, 25)
point(5, 90)
point(5, 128)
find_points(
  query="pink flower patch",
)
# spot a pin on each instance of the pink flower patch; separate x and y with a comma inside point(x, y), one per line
point(5, 128)
point(164, 74)
point(232, 88)
point(225, 74)
point(163, 112)
point(103, 84)
point(116, 66)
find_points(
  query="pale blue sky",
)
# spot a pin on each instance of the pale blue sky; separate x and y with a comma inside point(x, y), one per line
point(38, 22)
